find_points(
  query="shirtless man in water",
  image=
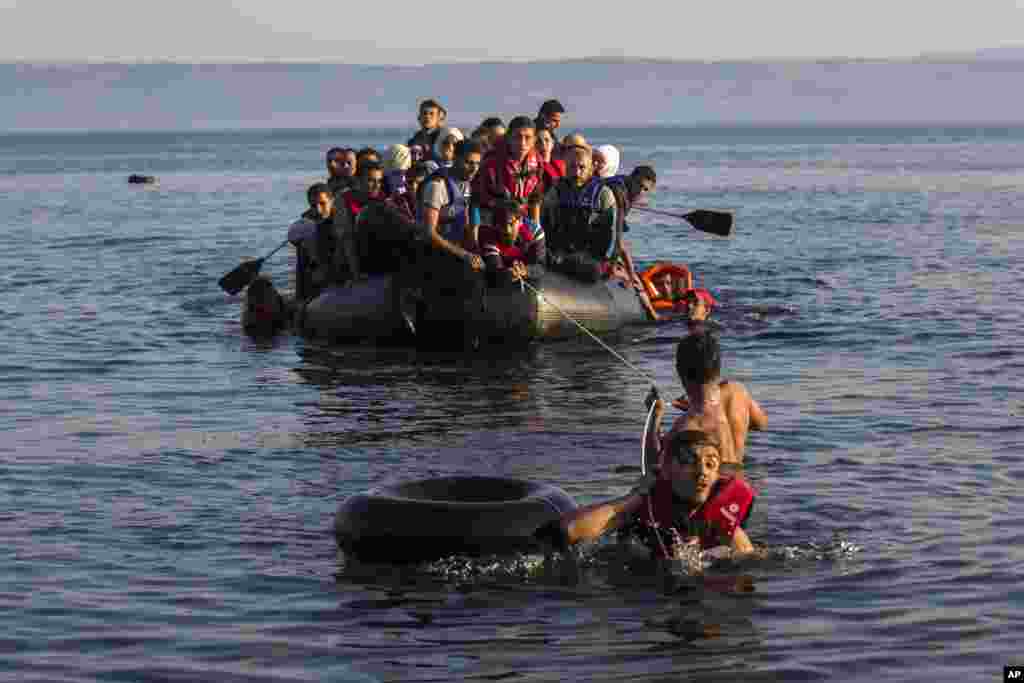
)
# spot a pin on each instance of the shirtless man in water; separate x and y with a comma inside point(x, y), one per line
point(722, 407)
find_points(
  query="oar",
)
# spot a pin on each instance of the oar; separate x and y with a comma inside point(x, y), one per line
point(239, 278)
point(705, 220)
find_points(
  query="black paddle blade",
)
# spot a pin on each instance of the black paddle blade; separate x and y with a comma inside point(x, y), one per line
point(714, 222)
point(239, 278)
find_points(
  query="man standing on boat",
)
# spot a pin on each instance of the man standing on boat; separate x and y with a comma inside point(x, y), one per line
point(431, 118)
point(512, 170)
point(549, 117)
point(341, 169)
point(316, 239)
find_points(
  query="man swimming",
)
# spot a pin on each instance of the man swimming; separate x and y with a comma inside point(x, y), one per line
point(688, 501)
point(710, 402)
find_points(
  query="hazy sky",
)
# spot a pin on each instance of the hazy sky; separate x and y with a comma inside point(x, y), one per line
point(374, 32)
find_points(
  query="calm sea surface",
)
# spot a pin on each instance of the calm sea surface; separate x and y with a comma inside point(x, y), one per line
point(167, 485)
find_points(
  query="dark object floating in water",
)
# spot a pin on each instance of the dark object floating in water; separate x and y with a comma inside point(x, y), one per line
point(432, 518)
point(136, 179)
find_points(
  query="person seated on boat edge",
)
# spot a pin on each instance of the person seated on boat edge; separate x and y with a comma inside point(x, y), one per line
point(341, 169)
point(369, 189)
point(316, 240)
point(431, 117)
point(397, 161)
point(514, 251)
point(579, 216)
point(687, 500)
point(512, 169)
point(444, 206)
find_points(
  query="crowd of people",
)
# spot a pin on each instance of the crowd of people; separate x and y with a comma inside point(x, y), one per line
point(508, 203)
point(505, 203)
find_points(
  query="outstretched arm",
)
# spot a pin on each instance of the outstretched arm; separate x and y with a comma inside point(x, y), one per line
point(593, 521)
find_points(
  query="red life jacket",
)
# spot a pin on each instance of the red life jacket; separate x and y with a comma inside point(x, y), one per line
point(519, 250)
point(503, 176)
point(352, 203)
point(716, 520)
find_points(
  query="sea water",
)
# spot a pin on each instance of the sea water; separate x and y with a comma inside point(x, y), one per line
point(167, 485)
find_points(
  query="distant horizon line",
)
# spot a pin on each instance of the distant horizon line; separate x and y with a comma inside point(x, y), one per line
point(361, 128)
point(1014, 53)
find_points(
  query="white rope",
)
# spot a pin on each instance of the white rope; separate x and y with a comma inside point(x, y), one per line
point(650, 413)
point(591, 334)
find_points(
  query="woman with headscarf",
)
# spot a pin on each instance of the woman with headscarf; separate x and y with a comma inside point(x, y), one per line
point(606, 161)
point(444, 148)
point(397, 161)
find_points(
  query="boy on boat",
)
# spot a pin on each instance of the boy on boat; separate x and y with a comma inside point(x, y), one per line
point(515, 250)
point(316, 239)
point(688, 501)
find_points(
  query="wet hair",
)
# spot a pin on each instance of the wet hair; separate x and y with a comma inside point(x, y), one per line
point(366, 152)
point(492, 122)
point(644, 173)
point(463, 148)
point(699, 357)
point(521, 122)
point(682, 444)
point(551, 107)
point(315, 190)
point(365, 168)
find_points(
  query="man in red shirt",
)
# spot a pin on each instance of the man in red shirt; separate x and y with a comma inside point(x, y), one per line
point(511, 170)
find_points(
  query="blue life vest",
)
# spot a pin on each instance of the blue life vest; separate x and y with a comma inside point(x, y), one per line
point(452, 219)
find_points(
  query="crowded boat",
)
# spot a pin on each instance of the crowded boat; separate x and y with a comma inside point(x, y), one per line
point(510, 232)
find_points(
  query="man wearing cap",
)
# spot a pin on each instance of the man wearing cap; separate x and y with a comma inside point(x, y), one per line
point(550, 117)
point(432, 117)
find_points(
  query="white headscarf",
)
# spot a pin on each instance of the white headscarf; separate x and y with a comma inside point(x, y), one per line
point(611, 160)
point(398, 158)
point(442, 136)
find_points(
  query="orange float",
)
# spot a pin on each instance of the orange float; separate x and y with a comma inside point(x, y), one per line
point(658, 270)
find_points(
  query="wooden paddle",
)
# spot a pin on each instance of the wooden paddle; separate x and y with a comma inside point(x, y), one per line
point(705, 220)
point(239, 278)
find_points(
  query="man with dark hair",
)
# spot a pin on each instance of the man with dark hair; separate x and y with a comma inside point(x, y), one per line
point(341, 169)
point(511, 170)
point(369, 189)
point(687, 502)
point(366, 154)
point(513, 251)
point(579, 216)
point(724, 407)
point(315, 238)
point(432, 117)
point(550, 116)
point(444, 205)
